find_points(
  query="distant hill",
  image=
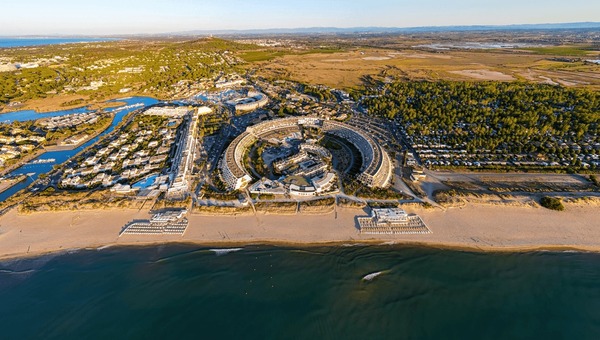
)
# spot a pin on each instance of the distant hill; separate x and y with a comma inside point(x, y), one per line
point(337, 30)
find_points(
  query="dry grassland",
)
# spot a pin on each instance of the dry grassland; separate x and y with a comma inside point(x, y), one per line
point(348, 69)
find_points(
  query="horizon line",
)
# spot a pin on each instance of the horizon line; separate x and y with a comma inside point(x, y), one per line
point(275, 30)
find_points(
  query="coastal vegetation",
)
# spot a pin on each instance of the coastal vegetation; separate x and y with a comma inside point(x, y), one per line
point(356, 188)
point(222, 210)
point(163, 203)
point(594, 179)
point(350, 203)
point(101, 70)
point(290, 207)
point(509, 116)
point(211, 194)
point(552, 203)
point(508, 121)
point(52, 200)
point(322, 205)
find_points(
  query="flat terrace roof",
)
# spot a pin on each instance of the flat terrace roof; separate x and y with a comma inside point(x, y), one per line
point(234, 163)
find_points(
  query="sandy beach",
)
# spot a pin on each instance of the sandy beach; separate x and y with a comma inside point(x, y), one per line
point(475, 227)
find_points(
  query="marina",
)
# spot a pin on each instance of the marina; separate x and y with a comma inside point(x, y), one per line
point(42, 161)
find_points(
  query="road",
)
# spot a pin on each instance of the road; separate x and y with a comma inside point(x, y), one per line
point(505, 177)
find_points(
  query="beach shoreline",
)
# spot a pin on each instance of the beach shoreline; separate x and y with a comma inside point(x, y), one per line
point(475, 227)
point(291, 245)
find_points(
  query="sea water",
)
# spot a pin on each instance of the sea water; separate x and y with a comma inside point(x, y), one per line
point(262, 292)
point(7, 42)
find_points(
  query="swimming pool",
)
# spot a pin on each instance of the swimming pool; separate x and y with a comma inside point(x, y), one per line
point(146, 182)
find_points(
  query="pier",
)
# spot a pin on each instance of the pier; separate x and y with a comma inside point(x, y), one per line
point(42, 161)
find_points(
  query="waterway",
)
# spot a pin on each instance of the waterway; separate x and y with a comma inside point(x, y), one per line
point(35, 170)
point(27, 115)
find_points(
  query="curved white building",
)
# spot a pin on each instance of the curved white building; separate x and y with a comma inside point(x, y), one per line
point(376, 170)
point(253, 101)
point(233, 172)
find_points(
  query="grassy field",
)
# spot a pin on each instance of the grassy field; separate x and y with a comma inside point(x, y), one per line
point(578, 51)
point(266, 55)
point(256, 56)
point(349, 69)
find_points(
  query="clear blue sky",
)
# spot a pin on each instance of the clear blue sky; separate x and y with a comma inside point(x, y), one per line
point(20, 17)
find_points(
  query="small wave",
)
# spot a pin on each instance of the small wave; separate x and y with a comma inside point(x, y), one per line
point(105, 247)
point(303, 251)
point(372, 276)
point(7, 271)
point(566, 251)
point(226, 251)
point(389, 243)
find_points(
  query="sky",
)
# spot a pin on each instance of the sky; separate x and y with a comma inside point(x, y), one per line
point(105, 17)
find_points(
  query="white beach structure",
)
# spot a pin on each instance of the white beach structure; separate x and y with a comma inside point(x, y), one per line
point(392, 221)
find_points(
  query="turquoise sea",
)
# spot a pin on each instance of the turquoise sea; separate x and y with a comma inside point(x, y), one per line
point(261, 292)
point(7, 42)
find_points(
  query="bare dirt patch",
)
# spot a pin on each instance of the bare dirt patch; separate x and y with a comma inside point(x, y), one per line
point(484, 75)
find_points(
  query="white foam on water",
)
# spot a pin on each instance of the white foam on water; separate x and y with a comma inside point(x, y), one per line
point(226, 251)
point(371, 276)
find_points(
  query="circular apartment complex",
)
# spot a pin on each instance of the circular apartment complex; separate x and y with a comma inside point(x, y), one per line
point(376, 169)
point(253, 101)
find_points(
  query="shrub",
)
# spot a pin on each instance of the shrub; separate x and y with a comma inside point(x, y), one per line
point(552, 203)
point(594, 180)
